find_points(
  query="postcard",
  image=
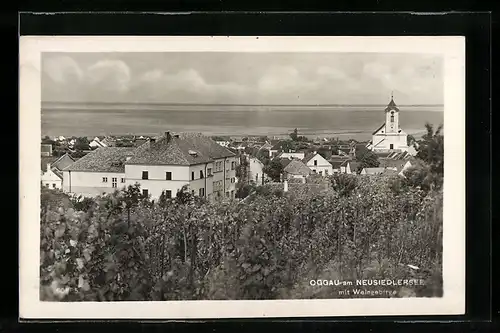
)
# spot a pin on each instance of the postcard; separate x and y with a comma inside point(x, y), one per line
point(241, 177)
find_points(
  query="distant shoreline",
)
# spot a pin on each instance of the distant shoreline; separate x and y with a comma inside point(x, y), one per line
point(50, 103)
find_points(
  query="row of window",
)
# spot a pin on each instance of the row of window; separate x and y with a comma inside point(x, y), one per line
point(321, 172)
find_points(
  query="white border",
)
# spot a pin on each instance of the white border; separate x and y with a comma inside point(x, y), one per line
point(453, 301)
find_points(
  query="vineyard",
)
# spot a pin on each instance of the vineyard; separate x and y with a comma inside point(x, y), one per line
point(269, 246)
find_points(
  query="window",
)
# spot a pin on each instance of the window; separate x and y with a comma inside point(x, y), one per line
point(104, 179)
point(209, 172)
point(168, 194)
point(233, 165)
point(114, 182)
point(168, 175)
point(192, 175)
point(392, 118)
point(201, 174)
point(201, 192)
point(145, 175)
point(145, 192)
point(123, 180)
point(53, 185)
point(391, 146)
point(315, 162)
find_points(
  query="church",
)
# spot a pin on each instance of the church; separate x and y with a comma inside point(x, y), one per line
point(389, 136)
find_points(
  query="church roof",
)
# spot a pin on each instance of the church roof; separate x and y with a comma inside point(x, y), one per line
point(391, 106)
point(378, 129)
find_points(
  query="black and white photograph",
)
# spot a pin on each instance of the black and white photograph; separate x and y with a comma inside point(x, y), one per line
point(313, 177)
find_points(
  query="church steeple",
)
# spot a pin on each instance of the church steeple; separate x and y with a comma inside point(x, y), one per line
point(392, 105)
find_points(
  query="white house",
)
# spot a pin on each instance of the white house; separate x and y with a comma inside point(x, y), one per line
point(318, 164)
point(256, 172)
point(51, 175)
point(389, 136)
point(300, 156)
point(163, 164)
point(172, 161)
point(100, 171)
point(96, 143)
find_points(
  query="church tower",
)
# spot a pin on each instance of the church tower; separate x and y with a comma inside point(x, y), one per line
point(389, 137)
point(392, 117)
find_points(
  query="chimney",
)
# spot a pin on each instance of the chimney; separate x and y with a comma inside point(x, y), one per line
point(48, 166)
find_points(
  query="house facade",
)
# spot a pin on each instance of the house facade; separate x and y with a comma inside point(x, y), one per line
point(299, 155)
point(256, 172)
point(318, 164)
point(161, 165)
point(389, 136)
point(51, 173)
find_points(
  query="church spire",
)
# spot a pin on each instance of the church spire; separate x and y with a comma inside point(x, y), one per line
point(392, 105)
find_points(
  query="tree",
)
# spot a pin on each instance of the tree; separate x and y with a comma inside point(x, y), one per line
point(242, 169)
point(410, 140)
point(263, 156)
point(430, 148)
point(274, 170)
point(263, 138)
point(368, 160)
point(294, 135)
point(81, 143)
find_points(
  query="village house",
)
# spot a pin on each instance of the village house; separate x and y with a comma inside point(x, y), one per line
point(97, 143)
point(256, 173)
point(51, 170)
point(296, 169)
point(349, 167)
point(98, 172)
point(163, 164)
point(318, 164)
point(299, 155)
point(372, 171)
point(389, 136)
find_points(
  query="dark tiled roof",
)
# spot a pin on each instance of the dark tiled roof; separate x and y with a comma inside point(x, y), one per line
point(105, 159)
point(47, 159)
point(382, 154)
point(297, 167)
point(378, 129)
point(308, 157)
point(178, 151)
point(285, 161)
point(63, 162)
point(391, 106)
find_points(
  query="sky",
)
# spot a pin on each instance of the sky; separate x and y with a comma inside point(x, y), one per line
point(242, 78)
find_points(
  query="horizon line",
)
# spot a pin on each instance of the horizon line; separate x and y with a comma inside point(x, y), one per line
point(221, 104)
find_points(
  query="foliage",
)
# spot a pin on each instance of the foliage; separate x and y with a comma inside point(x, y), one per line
point(294, 135)
point(124, 247)
point(430, 148)
point(366, 158)
point(344, 184)
point(81, 143)
point(274, 170)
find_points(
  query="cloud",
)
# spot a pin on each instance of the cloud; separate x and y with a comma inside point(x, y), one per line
point(111, 75)
point(62, 69)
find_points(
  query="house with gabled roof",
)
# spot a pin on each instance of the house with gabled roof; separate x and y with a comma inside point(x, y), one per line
point(318, 164)
point(169, 162)
point(349, 167)
point(296, 169)
point(51, 170)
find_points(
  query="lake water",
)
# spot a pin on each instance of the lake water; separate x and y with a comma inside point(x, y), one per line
point(344, 122)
